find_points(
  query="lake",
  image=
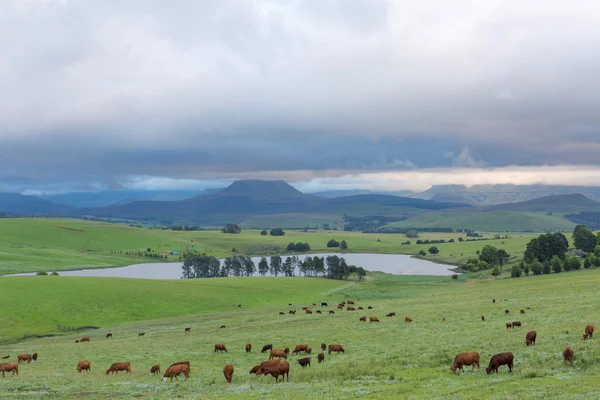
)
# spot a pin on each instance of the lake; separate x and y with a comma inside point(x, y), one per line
point(398, 264)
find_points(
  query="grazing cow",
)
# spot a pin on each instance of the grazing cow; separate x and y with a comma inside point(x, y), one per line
point(286, 350)
point(308, 311)
point(506, 311)
point(323, 346)
point(266, 347)
point(300, 348)
point(516, 323)
point(370, 308)
point(109, 335)
point(407, 320)
point(239, 306)
point(392, 314)
point(85, 339)
point(321, 357)
point(482, 318)
point(324, 305)
point(289, 304)
point(498, 360)
point(228, 372)
point(28, 358)
point(309, 351)
point(314, 304)
point(363, 318)
point(589, 331)
point(318, 311)
point(177, 369)
point(335, 347)
point(462, 359)
point(522, 311)
point(155, 370)
point(188, 329)
point(444, 319)
point(6, 357)
point(373, 319)
point(331, 312)
point(275, 370)
point(119, 366)
point(277, 354)
point(281, 313)
point(220, 347)
point(254, 369)
point(508, 325)
point(350, 308)
point(568, 354)
point(9, 367)
point(340, 307)
point(222, 326)
point(350, 302)
point(139, 334)
point(305, 308)
point(292, 312)
point(83, 365)
point(76, 341)
point(530, 338)
point(360, 308)
point(494, 300)
point(248, 348)
point(304, 362)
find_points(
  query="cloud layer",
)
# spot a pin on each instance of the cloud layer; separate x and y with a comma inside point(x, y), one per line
point(97, 92)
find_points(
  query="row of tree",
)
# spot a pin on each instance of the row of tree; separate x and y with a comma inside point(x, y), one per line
point(556, 265)
point(334, 243)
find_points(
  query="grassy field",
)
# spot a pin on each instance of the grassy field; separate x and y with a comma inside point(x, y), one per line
point(31, 245)
point(386, 360)
point(482, 220)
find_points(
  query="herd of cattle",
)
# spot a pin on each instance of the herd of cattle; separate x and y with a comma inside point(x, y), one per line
point(276, 368)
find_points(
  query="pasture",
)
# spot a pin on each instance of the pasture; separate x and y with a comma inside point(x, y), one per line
point(34, 244)
point(384, 360)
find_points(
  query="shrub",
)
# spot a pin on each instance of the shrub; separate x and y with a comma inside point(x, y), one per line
point(587, 263)
point(42, 273)
point(546, 268)
point(291, 246)
point(407, 242)
point(515, 272)
point(496, 271)
point(556, 264)
point(263, 232)
point(333, 243)
point(525, 269)
point(471, 267)
point(54, 273)
point(277, 232)
point(231, 228)
point(422, 253)
point(537, 268)
point(344, 245)
point(433, 250)
point(481, 265)
point(460, 239)
point(574, 263)
point(455, 276)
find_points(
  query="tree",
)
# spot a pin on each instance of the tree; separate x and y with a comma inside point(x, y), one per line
point(422, 253)
point(546, 246)
point(288, 267)
point(263, 232)
point(502, 256)
point(460, 239)
point(344, 245)
point(471, 266)
point(574, 263)
point(360, 271)
point(594, 260)
point(495, 271)
point(263, 266)
point(413, 234)
point(249, 266)
point(275, 265)
point(587, 263)
point(525, 268)
point(546, 268)
point(455, 276)
point(277, 232)
point(515, 272)
point(489, 254)
point(583, 238)
point(481, 265)
point(302, 246)
point(291, 246)
point(433, 250)
point(556, 264)
point(333, 243)
point(231, 228)
point(537, 268)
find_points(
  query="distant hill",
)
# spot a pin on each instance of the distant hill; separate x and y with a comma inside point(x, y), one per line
point(18, 204)
point(243, 199)
point(344, 193)
point(554, 203)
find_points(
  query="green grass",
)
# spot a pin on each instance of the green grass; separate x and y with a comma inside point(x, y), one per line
point(31, 244)
point(386, 360)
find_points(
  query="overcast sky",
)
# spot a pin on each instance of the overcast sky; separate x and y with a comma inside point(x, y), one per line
point(326, 94)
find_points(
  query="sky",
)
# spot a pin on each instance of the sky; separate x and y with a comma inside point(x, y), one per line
point(361, 94)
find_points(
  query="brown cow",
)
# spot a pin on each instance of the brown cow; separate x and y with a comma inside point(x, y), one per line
point(494, 300)
point(482, 318)
point(589, 331)
point(275, 370)
point(85, 339)
point(308, 311)
point(83, 365)
point(516, 323)
point(228, 372)
point(141, 334)
point(8, 367)
point(319, 312)
point(239, 306)
point(314, 304)
point(177, 369)
point(266, 347)
point(350, 308)
point(188, 329)
point(370, 308)
point(350, 302)
point(508, 325)
point(155, 370)
point(304, 362)
point(28, 358)
point(254, 369)
point(373, 319)
point(286, 350)
point(462, 359)
point(76, 341)
point(340, 307)
point(277, 354)
point(292, 312)
point(309, 351)
point(530, 338)
point(321, 357)
point(392, 314)
point(222, 326)
point(300, 348)
point(109, 335)
point(522, 311)
point(568, 354)
point(335, 347)
point(6, 357)
point(220, 347)
point(248, 348)
point(119, 366)
point(281, 313)
point(407, 320)
point(360, 308)
point(363, 318)
point(305, 308)
point(498, 360)
point(331, 312)
point(506, 311)
point(323, 347)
